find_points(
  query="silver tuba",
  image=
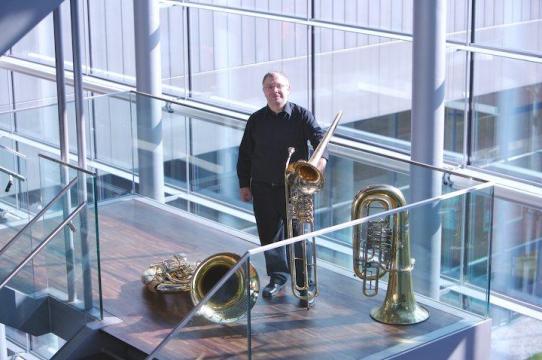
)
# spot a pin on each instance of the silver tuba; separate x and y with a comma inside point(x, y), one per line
point(228, 304)
point(302, 179)
point(384, 247)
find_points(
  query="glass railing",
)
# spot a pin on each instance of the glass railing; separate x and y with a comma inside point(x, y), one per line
point(14, 209)
point(199, 153)
point(199, 158)
point(340, 323)
point(49, 271)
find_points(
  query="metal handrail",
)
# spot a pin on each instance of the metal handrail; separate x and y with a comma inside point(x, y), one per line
point(43, 244)
point(11, 173)
point(67, 164)
point(38, 215)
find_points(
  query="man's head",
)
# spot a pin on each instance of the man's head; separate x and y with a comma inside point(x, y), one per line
point(276, 88)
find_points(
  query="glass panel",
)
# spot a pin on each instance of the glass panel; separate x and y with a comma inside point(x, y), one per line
point(80, 248)
point(5, 92)
point(453, 302)
point(173, 50)
point(348, 172)
point(37, 114)
point(509, 25)
point(60, 284)
point(59, 281)
point(457, 21)
point(214, 163)
point(111, 33)
point(6, 120)
point(369, 78)
point(516, 310)
point(296, 8)
point(14, 204)
point(111, 118)
point(226, 50)
point(507, 131)
point(382, 14)
point(172, 134)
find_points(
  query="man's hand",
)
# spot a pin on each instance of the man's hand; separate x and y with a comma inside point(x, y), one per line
point(322, 165)
point(245, 193)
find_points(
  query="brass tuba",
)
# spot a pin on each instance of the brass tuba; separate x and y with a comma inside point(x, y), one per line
point(228, 304)
point(385, 247)
point(302, 179)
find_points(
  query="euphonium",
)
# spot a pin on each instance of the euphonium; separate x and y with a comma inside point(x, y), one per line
point(228, 304)
point(302, 179)
point(384, 247)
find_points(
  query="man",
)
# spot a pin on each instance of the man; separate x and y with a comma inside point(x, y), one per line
point(268, 134)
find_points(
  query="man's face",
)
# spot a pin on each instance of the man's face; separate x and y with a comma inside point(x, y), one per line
point(276, 89)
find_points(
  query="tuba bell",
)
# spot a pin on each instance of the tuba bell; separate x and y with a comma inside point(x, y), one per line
point(228, 304)
point(302, 179)
point(384, 247)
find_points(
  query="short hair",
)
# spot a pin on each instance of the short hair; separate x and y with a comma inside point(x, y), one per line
point(273, 74)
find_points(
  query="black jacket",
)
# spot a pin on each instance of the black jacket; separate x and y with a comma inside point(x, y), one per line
point(267, 137)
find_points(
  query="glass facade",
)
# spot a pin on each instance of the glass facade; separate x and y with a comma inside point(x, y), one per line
point(350, 55)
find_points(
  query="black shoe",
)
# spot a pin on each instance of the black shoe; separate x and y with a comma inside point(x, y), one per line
point(271, 289)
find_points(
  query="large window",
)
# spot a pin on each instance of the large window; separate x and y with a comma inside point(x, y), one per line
point(507, 126)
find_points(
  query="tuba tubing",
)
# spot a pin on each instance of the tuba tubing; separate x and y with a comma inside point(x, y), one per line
point(400, 306)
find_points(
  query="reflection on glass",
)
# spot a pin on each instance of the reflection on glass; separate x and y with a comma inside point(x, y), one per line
point(507, 135)
point(111, 117)
point(379, 14)
point(511, 25)
point(370, 80)
point(231, 53)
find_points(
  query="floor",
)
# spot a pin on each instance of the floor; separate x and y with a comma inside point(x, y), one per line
point(134, 234)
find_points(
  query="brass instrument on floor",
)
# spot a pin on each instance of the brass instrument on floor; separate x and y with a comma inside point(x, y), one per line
point(302, 179)
point(382, 246)
point(170, 276)
point(228, 304)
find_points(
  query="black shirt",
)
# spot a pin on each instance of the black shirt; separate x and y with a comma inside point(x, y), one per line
point(267, 137)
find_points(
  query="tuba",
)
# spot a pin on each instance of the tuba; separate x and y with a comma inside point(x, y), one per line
point(384, 247)
point(228, 304)
point(302, 179)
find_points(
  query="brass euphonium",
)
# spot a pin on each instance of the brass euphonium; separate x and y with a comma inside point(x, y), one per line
point(228, 304)
point(302, 179)
point(384, 247)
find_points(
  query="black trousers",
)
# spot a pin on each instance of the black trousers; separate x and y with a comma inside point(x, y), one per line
point(269, 202)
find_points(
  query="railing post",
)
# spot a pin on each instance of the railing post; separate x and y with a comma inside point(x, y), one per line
point(81, 151)
point(64, 149)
